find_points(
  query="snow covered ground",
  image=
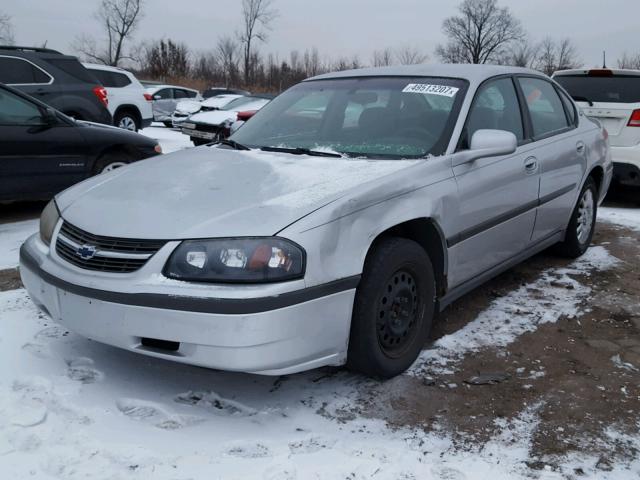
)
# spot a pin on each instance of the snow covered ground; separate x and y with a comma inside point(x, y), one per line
point(71, 408)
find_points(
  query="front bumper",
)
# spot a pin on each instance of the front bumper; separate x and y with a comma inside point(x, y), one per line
point(272, 335)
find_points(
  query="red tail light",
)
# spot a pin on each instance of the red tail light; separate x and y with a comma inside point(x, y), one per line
point(148, 97)
point(600, 72)
point(101, 93)
point(244, 116)
point(634, 121)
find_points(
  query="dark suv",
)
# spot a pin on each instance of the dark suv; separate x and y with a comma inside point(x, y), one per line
point(56, 79)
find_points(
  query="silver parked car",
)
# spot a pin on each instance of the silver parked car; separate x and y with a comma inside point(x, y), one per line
point(165, 98)
point(331, 227)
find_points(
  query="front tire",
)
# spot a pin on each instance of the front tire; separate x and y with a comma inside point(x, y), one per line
point(582, 224)
point(110, 162)
point(393, 309)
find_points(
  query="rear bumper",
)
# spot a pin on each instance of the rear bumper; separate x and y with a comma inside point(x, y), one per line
point(271, 341)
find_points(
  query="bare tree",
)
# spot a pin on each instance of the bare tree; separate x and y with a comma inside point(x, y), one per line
point(480, 34)
point(409, 55)
point(523, 53)
point(382, 58)
point(166, 59)
point(555, 56)
point(6, 30)
point(119, 19)
point(629, 61)
point(227, 53)
point(257, 16)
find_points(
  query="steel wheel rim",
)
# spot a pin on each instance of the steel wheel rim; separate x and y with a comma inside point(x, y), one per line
point(397, 314)
point(112, 166)
point(127, 123)
point(585, 216)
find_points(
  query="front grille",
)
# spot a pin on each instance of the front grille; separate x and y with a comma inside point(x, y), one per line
point(107, 254)
point(207, 128)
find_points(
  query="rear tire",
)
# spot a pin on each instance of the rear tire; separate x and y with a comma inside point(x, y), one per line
point(582, 224)
point(393, 309)
point(127, 121)
point(110, 162)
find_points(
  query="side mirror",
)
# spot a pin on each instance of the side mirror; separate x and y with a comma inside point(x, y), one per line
point(487, 143)
point(50, 117)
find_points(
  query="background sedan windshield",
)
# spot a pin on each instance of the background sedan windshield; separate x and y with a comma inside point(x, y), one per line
point(364, 117)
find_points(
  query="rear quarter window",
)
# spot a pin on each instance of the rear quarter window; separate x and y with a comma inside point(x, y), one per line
point(16, 71)
point(73, 67)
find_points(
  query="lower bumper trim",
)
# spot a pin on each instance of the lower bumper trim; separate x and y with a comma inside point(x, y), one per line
point(224, 306)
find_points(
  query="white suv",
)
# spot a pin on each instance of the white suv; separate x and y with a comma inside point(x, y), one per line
point(127, 103)
point(613, 98)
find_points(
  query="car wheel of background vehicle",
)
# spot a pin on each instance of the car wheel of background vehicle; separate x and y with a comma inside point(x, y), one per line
point(582, 224)
point(168, 124)
point(393, 309)
point(127, 121)
point(199, 141)
point(110, 162)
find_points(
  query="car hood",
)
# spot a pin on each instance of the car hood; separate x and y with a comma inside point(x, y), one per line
point(188, 106)
point(215, 117)
point(214, 192)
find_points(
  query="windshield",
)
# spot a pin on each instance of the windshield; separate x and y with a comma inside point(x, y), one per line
point(374, 117)
point(615, 89)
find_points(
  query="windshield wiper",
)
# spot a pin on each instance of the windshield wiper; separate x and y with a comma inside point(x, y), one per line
point(301, 151)
point(233, 144)
point(583, 99)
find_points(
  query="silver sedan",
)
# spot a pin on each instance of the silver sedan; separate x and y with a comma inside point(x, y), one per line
point(330, 228)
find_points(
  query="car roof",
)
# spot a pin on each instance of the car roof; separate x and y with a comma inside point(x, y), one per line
point(155, 88)
point(583, 71)
point(473, 73)
point(100, 66)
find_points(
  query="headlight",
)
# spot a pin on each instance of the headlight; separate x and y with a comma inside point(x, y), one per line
point(48, 221)
point(236, 260)
point(157, 148)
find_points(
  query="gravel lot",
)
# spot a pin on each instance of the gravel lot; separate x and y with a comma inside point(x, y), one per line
point(534, 375)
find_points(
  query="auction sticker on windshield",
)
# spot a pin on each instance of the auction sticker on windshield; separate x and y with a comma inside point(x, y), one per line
point(443, 90)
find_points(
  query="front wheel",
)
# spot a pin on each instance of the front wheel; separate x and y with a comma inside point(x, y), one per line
point(582, 224)
point(393, 310)
point(127, 121)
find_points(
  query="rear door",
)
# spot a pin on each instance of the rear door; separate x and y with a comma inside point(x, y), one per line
point(498, 195)
point(559, 150)
point(37, 159)
point(609, 97)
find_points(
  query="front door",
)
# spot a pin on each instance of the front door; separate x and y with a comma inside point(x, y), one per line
point(38, 158)
point(497, 197)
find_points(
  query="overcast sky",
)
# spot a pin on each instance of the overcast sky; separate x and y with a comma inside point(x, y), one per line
point(336, 27)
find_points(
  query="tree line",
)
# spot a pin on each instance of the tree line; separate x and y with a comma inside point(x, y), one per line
point(482, 31)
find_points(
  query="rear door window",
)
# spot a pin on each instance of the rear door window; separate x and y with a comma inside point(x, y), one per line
point(545, 107)
point(111, 79)
point(611, 89)
point(16, 71)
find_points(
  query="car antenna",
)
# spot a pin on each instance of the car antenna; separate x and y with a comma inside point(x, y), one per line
point(604, 59)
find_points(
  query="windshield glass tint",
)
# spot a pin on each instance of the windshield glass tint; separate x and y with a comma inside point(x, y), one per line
point(617, 89)
point(365, 117)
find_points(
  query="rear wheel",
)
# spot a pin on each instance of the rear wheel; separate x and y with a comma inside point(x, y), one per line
point(127, 121)
point(110, 162)
point(393, 309)
point(582, 224)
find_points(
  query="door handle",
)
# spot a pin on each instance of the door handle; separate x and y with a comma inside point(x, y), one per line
point(531, 165)
point(580, 147)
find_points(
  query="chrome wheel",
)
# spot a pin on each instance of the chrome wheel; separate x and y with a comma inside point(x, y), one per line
point(127, 123)
point(585, 216)
point(112, 166)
